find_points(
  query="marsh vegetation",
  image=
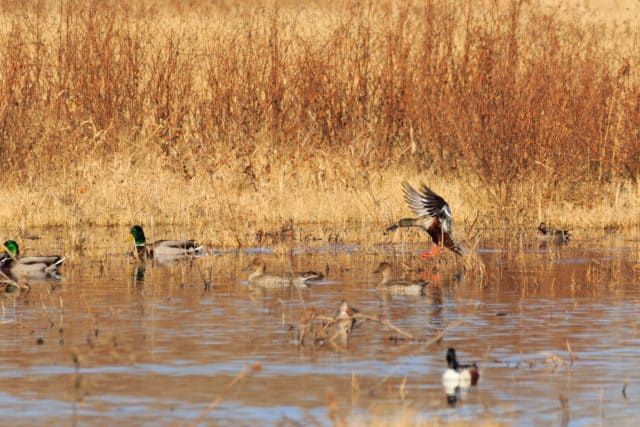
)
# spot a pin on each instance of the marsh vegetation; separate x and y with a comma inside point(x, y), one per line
point(237, 115)
point(284, 130)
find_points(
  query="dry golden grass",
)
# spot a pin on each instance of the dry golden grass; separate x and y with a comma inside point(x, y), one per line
point(237, 115)
point(409, 420)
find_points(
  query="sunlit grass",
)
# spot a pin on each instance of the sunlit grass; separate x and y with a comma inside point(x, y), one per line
point(239, 118)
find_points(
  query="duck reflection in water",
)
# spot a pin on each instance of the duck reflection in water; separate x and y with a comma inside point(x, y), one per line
point(137, 274)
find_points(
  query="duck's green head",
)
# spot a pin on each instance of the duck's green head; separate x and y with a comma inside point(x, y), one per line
point(12, 247)
point(138, 235)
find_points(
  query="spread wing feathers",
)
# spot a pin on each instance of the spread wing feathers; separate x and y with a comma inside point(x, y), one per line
point(425, 202)
point(439, 236)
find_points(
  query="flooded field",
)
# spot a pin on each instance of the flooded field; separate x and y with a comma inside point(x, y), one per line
point(553, 329)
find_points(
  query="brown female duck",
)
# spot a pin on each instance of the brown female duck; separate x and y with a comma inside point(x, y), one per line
point(260, 277)
point(399, 287)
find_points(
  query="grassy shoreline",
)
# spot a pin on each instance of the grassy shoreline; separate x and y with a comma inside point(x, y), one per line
point(115, 198)
point(244, 116)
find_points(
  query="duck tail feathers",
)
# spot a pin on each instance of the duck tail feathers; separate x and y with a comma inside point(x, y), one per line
point(56, 264)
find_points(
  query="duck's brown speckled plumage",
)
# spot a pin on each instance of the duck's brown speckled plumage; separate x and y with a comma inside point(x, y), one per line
point(260, 277)
point(399, 287)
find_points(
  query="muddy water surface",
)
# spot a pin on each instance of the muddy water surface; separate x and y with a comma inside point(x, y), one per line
point(109, 342)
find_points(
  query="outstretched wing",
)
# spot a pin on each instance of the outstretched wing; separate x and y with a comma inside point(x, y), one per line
point(425, 202)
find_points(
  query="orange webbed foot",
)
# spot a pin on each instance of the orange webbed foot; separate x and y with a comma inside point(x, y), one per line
point(432, 253)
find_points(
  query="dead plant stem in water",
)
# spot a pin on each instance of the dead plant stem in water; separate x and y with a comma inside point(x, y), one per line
point(244, 372)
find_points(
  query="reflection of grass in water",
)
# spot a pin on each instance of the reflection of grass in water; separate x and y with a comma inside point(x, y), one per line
point(247, 116)
point(409, 416)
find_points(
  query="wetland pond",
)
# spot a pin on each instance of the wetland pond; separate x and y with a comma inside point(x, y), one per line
point(553, 329)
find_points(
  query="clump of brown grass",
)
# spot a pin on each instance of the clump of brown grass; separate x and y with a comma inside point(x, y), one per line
point(122, 112)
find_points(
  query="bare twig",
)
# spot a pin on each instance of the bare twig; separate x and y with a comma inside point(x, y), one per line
point(10, 282)
point(244, 372)
point(437, 337)
point(385, 322)
point(206, 283)
point(564, 405)
point(572, 356)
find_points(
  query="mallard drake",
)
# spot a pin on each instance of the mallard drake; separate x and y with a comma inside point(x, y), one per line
point(161, 248)
point(259, 276)
point(457, 376)
point(11, 262)
point(434, 216)
point(552, 234)
point(399, 287)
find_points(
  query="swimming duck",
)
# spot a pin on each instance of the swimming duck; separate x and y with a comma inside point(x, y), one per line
point(555, 235)
point(434, 216)
point(161, 248)
point(457, 376)
point(399, 287)
point(11, 262)
point(259, 276)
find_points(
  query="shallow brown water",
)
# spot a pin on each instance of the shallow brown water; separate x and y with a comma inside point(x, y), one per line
point(107, 344)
